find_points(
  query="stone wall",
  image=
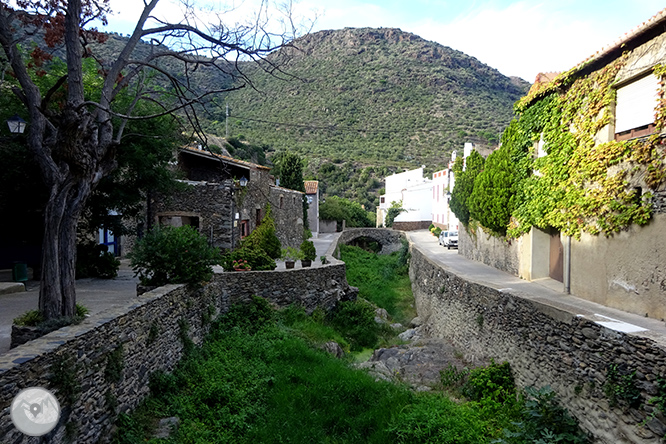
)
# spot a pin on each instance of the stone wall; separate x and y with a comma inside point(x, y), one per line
point(210, 203)
point(145, 335)
point(545, 346)
point(411, 226)
point(479, 246)
point(328, 226)
point(287, 209)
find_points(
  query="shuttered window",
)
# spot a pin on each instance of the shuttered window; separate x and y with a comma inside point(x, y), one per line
point(636, 103)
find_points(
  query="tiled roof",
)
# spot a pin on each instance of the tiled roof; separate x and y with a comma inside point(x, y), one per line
point(655, 21)
point(225, 158)
point(277, 187)
point(311, 186)
point(602, 57)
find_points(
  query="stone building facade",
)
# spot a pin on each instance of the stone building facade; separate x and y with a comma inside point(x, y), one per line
point(226, 199)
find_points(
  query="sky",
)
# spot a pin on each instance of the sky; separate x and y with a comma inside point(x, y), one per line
point(518, 38)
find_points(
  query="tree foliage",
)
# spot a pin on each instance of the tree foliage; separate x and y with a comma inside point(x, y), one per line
point(394, 210)
point(339, 209)
point(75, 131)
point(464, 184)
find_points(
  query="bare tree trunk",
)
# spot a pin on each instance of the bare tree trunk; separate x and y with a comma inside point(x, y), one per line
point(57, 295)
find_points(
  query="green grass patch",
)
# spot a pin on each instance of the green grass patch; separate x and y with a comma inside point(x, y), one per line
point(382, 280)
point(258, 379)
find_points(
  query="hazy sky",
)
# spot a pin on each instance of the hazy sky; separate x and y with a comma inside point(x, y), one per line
point(519, 38)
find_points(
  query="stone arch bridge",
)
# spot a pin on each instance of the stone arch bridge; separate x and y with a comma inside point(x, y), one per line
point(389, 240)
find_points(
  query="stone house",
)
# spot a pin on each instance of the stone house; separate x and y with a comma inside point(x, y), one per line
point(607, 242)
point(312, 196)
point(226, 198)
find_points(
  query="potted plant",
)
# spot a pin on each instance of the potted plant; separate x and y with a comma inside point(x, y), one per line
point(309, 253)
point(241, 265)
point(290, 255)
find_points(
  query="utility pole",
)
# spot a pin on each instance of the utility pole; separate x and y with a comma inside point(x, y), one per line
point(226, 124)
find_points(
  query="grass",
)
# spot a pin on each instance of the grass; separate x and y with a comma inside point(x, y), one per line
point(261, 377)
point(382, 280)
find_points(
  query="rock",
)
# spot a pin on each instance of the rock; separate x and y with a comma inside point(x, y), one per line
point(408, 335)
point(416, 322)
point(397, 326)
point(377, 369)
point(381, 316)
point(334, 349)
point(166, 427)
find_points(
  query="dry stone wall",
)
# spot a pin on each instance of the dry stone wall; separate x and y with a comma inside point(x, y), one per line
point(101, 367)
point(548, 346)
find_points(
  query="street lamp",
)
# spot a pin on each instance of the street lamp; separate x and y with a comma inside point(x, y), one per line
point(16, 124)
point(243, 181)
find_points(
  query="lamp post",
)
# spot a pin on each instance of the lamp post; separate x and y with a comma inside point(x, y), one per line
point(16, 124)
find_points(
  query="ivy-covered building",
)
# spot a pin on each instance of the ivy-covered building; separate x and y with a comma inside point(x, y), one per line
point(577, 190)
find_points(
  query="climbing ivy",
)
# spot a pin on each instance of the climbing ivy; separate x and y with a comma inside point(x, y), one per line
point(580, 185)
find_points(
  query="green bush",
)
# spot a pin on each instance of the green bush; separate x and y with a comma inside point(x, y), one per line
point(543, 420)
point(264, 237)
point(308, 250)
point(170, 255)
point(94, 260)
point(437, 231)
point(355, 320)
point(256, 258)
point(494, 382)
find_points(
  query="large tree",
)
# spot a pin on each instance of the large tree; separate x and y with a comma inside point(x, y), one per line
point(74, 142)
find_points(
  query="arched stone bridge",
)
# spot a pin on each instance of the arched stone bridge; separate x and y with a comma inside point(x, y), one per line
point(390, 240)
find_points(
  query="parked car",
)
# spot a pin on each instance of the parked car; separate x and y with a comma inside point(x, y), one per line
point(448, 239)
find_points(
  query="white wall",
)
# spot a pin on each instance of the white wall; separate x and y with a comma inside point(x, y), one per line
point(408, 188)
point(442, 182)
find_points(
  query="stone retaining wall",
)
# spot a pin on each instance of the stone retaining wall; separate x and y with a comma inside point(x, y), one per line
point(545, 346)
point(490, 250)
point(80, 363)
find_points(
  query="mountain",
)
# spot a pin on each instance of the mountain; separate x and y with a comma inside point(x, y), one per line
point(374, 96)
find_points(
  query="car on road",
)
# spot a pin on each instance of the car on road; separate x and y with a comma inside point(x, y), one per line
point(449, 239)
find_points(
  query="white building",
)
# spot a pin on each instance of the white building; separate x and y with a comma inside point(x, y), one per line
point(442, 186)
point(414, 192)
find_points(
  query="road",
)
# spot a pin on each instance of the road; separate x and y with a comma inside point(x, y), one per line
point(545, 291)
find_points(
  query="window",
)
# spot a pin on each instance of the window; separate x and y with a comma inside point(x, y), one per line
point(635, 108)
point(381, 199)
point(244, 228)
point(281, 201)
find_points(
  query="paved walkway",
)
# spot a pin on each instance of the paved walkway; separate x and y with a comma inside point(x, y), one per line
point(544, 291)
point(100, 294)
